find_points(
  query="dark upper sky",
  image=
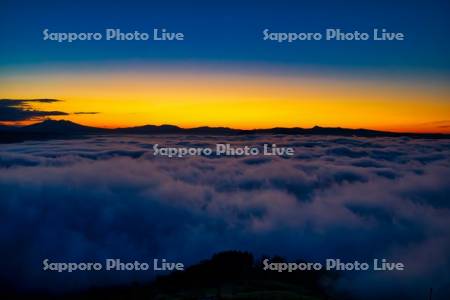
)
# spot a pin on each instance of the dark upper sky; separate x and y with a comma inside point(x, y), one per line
point(231, 32)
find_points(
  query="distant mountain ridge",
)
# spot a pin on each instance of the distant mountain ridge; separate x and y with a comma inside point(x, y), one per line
point(63, 126)
point(49, 129)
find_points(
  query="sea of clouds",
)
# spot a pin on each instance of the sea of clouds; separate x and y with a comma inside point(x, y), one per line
point(110, 197)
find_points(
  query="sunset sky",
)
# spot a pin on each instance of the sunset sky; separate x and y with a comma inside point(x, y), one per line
point(224, 74)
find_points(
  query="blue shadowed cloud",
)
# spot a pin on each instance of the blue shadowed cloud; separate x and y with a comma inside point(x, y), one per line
point(78, 200)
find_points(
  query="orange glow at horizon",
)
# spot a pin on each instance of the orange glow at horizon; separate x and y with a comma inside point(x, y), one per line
point(124, 99)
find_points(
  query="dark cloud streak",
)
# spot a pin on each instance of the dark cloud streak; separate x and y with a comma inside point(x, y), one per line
point(86, 113)
point(16, 110)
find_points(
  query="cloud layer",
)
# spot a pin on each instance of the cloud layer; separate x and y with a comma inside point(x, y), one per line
point(15, 110)
point(110, 197)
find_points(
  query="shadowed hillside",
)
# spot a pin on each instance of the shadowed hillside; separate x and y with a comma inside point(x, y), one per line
point(230, 275)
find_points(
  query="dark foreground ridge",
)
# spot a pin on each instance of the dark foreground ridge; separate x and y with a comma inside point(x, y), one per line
point(230, 275)
point(52, 129)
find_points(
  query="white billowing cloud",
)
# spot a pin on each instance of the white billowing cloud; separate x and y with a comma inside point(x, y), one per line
point(348, 198)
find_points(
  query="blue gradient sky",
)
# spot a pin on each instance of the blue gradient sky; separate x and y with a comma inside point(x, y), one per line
point(230, 31)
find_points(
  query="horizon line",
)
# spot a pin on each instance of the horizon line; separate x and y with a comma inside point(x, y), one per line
point(226, 127)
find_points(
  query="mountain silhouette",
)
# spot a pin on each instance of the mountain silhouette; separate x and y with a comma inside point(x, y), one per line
point(50, 129)
point(62, 126)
